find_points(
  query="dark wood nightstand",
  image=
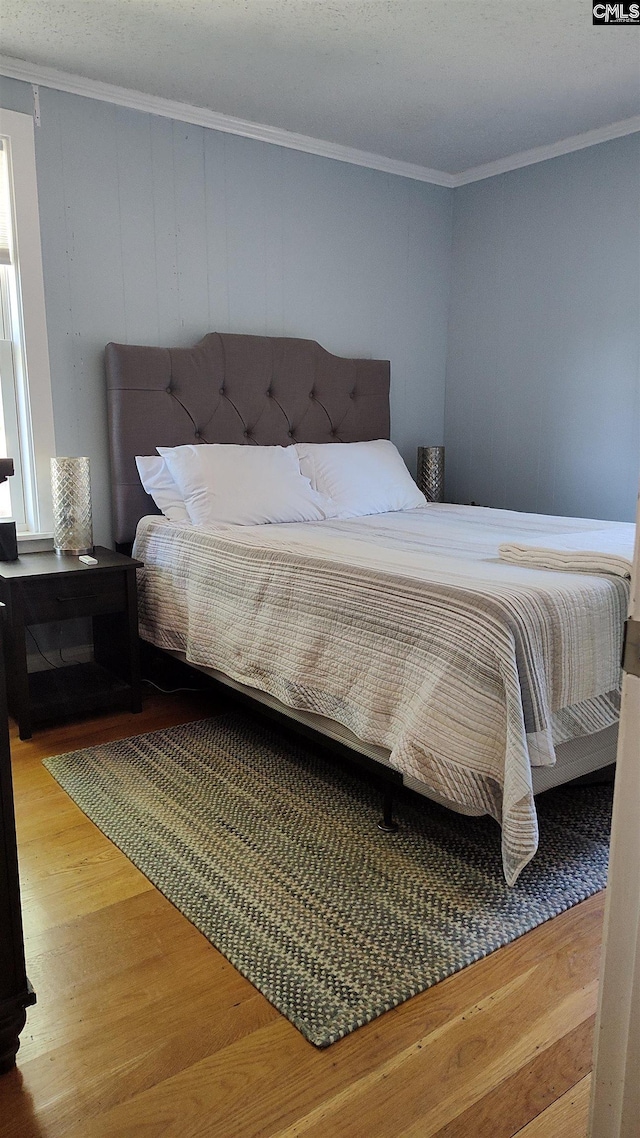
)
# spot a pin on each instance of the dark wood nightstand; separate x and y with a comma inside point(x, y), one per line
point(42, 587)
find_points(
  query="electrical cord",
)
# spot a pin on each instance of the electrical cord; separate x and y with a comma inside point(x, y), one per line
point(44, 657)
point(170, 691)
point(66, 663)
point(60, 652)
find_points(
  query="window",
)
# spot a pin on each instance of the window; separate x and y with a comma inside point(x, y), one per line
point(26, 413)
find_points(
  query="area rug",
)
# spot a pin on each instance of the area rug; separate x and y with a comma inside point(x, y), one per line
point(271, 849)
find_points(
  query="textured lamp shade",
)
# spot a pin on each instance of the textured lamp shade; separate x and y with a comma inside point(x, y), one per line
point(71, 492)
point(431, 473)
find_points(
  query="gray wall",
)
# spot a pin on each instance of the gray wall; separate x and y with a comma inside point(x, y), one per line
point(543, 368)
point(156, 232)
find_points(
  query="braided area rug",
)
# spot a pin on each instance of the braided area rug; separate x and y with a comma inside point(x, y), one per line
point(271, 849)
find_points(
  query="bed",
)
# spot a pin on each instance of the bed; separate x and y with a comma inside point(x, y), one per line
point(401, 635)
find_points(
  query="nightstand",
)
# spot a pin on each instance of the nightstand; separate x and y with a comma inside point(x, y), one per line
point(42, 587)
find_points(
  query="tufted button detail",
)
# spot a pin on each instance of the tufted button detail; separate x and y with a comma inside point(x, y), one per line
point(169, 389)
point(290, 434)
point(352, 395)
point(312, 395)
point(333, 433)
point(269, 393)
point(221, 389)
point(246, 434)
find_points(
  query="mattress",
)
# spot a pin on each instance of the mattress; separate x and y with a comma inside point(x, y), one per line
point(409, 631)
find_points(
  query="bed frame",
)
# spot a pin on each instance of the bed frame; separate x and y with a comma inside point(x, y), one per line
point(254, 390)
point(261, 391)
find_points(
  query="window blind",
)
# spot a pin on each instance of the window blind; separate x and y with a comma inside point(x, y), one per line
point(5, 214)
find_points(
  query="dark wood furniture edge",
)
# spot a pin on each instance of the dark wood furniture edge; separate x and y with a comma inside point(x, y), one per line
point(13, 1017)
point(17, 993)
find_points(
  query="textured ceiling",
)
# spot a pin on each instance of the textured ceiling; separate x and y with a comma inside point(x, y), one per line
point(448, 84)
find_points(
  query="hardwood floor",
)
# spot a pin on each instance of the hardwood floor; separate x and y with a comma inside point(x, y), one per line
point(142, 1028)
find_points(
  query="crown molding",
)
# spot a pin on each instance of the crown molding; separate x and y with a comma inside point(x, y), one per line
point(201, 116)
point(553, 150)
point(260, 132)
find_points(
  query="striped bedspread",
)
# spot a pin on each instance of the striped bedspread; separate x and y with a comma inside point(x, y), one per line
point(408, 629)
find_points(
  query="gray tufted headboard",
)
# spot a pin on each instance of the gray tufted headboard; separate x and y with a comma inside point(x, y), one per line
point(259, 390)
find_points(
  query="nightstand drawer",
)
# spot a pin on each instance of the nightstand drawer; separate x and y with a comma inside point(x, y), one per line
point(81, 594)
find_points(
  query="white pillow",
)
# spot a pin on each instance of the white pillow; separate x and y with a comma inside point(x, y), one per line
point(360, 478)
point(243, 485)
point(157, 482)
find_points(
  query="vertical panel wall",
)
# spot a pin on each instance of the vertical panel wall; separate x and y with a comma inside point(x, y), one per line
point(156, 232)
point(543, 369)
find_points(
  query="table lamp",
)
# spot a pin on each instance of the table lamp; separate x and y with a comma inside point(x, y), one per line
point(71, 493)
point(431, 473)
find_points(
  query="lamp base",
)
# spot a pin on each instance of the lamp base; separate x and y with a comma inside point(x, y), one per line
point(74, 552)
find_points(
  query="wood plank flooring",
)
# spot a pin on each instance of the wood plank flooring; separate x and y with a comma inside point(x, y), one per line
point(142, 1028)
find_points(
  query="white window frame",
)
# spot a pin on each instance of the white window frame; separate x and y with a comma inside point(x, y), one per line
point(33, 400)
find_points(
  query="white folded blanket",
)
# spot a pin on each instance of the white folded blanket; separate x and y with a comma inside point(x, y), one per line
point(596, 551)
